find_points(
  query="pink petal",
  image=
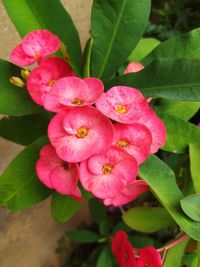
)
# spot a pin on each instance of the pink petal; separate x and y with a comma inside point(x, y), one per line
point(20, 58)
point(40, 43)
point(158, 132)
point(46, 163)
point(133, 67)
point(63, 180)
point(129, 193)
point(38, 83)
point(136, 139)
point(133, 104)
point(96, 89)
point(123, 171)
point(69, 146)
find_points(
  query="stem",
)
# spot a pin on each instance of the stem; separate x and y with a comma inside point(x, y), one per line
point(174, 243)
point(122, 210)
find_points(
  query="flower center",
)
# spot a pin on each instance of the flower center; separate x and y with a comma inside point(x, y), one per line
point(107, 169)
point(82, 132)
point(37, 54)
point(122, 143)
point(77, 101)
point(121, 109)
point(64, 165)
point(52, 82)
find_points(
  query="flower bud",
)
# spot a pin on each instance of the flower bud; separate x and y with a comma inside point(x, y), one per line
point(25, 73)
point(17, 81)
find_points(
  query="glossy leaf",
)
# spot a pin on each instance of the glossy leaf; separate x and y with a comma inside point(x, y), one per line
point(63, 207)
point(14, 100)
point(194, 151)
point(20, 187)
point(162, 181)
point(28, 15)
point(147, 220)
point(172, 79)
point(183, 46)
point(191, 206)
point(144, 47)
point(180, 109)
point(98, 211)
point(175, 254)
point(179, 133)
point(105, 258)
point(117, 26)
point(24, 130)
point(83, 236)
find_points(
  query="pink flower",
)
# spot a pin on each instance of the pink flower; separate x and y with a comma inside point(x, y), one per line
point(72, 92)
point(107, 174)
point(128, 194)
point(43, 77)
point(148, 256)
point(136, 139)
point(122, 249)
point(79, 133)
point(124, 104)
point(127, 105)
point(133, 67)
point(57, 174)
point(34, 47)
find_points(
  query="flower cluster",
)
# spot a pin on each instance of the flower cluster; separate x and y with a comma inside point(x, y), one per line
point(96, 138)
point(127, 256)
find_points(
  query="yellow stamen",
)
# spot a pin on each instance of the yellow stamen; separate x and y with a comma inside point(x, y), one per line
point(122, 143)
point(82, 132)
point(77, 101)
point(107, 169)
point(52, 82)
point(121, 109)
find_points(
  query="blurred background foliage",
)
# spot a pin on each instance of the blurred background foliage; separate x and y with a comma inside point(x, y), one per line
point(172, 17)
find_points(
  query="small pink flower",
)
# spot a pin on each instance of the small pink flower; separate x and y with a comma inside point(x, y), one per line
point(136, 139)
point(123, 250)
point(148, 256)
point(133, 67)
point(128, 194)
point(34, 47)
point(73, 92)
point(106, 174)
point(79, 133)
point(43, 77)
point(124, 104)
point(57, 174)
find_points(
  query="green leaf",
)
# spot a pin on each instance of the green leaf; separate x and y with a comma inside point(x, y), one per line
point(26, 129)
point(162, 181)
point(183, 46)
point(179, 109)
point(28, 15)
point(20, 187)
point(191, 206)
point(64, 207)
point(172, 79)
point(175, 254)
point(83, 236)
point(179, 133)
point(140, 241)
point(105, 258)
point(104, 228)
point(117, 26)
point(147, 220)
point(98, 211)
point(144, 47)
point(194, 151)
point(14, 100)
